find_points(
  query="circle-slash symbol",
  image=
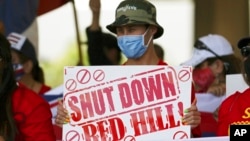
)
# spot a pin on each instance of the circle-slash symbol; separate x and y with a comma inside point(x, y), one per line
point(72, 136)
point(83, 76)
point(99, 75)
point(70, 85)
point(129, 138)
point(180, 135)
point(184, 75)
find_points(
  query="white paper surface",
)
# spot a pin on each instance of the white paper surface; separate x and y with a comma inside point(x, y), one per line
point(235, 82)
point(207, 102)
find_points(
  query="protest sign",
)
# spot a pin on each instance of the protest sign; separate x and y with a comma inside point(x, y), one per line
point(137, 103)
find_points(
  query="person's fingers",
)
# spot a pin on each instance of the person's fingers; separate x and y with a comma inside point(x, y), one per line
point(194, 102)
point(61, 115)
point(192, 116)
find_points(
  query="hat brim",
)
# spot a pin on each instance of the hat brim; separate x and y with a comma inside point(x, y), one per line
point(112, 27)
point(198, 57)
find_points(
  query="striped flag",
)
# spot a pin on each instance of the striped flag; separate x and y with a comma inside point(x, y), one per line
point(52, 97)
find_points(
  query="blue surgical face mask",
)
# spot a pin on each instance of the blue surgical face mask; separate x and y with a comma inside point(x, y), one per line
point(133, 46)
point(18, 70)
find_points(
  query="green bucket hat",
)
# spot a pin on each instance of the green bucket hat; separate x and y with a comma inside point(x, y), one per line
point(135, 12)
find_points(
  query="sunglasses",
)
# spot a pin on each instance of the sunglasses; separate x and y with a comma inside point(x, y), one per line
point(245, 51)
point(201, 46)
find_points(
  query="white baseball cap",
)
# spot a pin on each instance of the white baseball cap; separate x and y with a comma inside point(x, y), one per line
point(213, 42)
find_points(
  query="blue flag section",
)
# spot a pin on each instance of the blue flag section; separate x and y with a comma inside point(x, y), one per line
point(239, 132)
point(18, 15)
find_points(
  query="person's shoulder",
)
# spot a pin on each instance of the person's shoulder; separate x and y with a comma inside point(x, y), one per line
point(44, 89)
point(236, 96)
point(24, 95)
point(161, 62)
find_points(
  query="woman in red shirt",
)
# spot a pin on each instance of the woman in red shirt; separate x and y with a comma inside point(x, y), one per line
point(26, 66)
point(235, 109)
point(25, 116)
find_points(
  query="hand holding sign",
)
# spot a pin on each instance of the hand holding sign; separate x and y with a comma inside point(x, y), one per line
point(192, 116)
point(61, 115)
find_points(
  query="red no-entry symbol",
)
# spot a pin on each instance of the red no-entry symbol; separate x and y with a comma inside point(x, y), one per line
point(70, 85)
point(184, 75)
point(72, 136)
point(129, 138)
point(83, 76)
point(99, 75)
point(180, 135)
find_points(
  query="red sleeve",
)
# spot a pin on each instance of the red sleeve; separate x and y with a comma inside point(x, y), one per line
point(225, 114)
point(33, 116)
point(196, 132)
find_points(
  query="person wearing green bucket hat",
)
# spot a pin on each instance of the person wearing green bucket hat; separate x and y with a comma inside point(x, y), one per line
point(139, 12)
point(136, 28)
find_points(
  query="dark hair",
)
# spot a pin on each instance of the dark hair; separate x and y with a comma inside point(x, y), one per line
point(37, 72)
point(8, 84)
point(110, 42)
point(232, 64)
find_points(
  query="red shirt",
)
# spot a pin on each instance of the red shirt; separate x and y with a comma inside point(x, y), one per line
point(32, 115)
point(44, 89)
point(234, 110)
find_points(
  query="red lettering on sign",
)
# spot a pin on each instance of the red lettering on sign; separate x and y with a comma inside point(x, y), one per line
point(125, 95)
point(152, 87)
point(113, 127)
point(91, 103)
point(76, 116)
point(151, 120)
point(168, 84)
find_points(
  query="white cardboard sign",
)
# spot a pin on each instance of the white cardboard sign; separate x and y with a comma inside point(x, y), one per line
point(139, 103)
point(235, 82)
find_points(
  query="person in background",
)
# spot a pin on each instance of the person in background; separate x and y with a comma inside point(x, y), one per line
point(136, 30)
point(213, 58)
point(234, 110)
point(25, 116)
point(102, 47)
point(26, 65)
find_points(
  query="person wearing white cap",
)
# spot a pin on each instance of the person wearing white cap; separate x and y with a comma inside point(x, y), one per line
point(213, 58)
